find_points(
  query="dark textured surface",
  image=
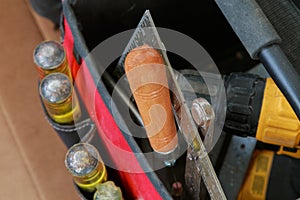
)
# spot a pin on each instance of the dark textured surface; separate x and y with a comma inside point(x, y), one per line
point(244, 98)
point(285, 17)
point(250, 24)
point(235, 165)
point(200, 20)
point(283, 74)
point(281, 185)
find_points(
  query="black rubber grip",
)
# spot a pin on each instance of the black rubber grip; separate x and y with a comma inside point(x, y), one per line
point(283, 74)
point(285, 18)
point(244, 99)
point(250, 24)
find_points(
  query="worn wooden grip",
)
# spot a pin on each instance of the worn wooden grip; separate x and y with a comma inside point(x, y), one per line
point(145, 71)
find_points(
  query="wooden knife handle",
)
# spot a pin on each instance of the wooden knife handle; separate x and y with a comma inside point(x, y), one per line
point(145, 71)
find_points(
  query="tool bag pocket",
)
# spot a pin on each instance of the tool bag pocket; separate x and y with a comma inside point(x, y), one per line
point(82, 130)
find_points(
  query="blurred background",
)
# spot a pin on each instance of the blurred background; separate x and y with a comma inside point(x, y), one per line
point(32, 155)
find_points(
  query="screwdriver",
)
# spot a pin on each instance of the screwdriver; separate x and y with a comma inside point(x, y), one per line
point(146, 74)
point(50, 57)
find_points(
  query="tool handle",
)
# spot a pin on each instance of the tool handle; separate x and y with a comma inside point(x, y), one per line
point(145, 71)
point(250, 24)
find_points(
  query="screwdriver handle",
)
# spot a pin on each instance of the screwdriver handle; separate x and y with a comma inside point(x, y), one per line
point(145, 71)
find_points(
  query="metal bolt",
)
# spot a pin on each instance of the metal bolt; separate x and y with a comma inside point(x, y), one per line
point(203, 113)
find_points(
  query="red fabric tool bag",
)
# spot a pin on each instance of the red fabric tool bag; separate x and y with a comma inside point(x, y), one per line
point(97, 101)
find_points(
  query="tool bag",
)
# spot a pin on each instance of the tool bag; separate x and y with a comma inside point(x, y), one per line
point(97, 101)
point(86, 24)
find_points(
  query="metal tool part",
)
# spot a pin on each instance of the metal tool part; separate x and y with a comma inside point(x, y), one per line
point(196, 84)
point(147, 33)
point(59, 98)
point(50, 57)
point(192, 177)
point(235, 164)
point(203, 114)
point(85, 165)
